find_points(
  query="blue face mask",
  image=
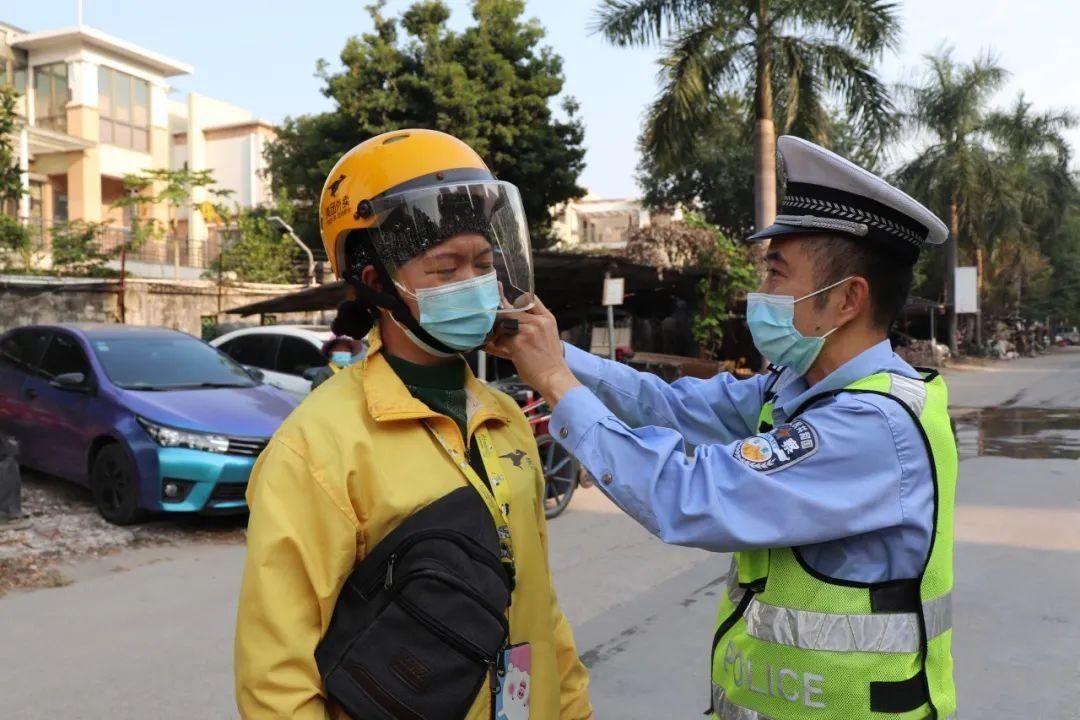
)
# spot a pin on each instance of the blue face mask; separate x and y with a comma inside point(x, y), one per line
point(772, 326)
point(342, 359)
point(460, 315)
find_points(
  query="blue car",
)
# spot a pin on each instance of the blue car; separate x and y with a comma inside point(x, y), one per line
point(151, 420)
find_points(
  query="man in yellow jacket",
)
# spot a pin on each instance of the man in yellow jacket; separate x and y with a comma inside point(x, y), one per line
point(422, 231)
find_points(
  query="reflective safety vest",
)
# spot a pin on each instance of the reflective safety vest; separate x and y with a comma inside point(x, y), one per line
point(792, 643)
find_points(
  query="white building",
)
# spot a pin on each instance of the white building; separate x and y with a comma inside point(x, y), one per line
point(96, 108)
point(597, 224)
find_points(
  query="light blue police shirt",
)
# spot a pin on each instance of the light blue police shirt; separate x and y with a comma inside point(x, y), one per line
point(848, 481)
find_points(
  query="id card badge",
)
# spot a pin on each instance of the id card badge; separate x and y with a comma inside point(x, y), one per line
point(514, 683)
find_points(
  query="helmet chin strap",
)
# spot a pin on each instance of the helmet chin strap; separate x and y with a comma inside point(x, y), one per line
point(401, 315)
point(423, 345)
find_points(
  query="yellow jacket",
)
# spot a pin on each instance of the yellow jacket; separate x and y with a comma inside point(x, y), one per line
point(351, 463)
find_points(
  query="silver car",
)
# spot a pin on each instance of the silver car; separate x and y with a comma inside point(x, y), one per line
point(284, 353)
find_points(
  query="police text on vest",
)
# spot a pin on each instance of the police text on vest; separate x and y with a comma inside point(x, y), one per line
point(785, 683)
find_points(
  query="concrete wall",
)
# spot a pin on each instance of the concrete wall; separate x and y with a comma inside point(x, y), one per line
point(179, 305)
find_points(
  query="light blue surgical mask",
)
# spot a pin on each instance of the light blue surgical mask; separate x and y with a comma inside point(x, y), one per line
point(460, 315)
point(342, 359)
point(772, 326)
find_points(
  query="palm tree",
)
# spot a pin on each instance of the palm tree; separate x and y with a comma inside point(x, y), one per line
point(793, 55)
point(954, 171)
point(1034, 150)
point(1035, 158)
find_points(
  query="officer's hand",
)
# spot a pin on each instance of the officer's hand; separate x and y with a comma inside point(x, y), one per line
point(537, 352)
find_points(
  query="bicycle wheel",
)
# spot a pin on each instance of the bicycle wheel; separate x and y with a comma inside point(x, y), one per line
point(560, 475)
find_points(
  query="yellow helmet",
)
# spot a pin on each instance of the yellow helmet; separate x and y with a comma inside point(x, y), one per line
point(390, 201)
point(387, 165)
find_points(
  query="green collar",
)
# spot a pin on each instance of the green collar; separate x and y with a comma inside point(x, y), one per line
point(450, 376)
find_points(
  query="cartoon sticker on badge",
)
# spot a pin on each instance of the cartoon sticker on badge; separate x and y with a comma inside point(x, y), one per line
point(512, 695)
point(780, 448)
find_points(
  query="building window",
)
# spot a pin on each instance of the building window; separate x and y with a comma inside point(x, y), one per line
point(18, 78)
point(13, 67)
point(35, 201)
point(51, 96)
point(13, 74)
point(124, 104)
point(60, 206)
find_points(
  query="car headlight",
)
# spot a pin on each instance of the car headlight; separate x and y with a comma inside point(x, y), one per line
point(171, 437)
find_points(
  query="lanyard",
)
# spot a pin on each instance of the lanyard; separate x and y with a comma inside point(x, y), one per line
point(498, 503)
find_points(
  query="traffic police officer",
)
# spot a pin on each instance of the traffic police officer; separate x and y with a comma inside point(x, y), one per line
point(831, 478)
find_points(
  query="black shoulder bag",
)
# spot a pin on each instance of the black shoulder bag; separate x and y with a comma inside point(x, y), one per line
point(421, 622)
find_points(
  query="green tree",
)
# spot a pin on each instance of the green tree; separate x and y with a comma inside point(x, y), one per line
point(16, 246)
point(11, 187)
point(1034, 158)
point(492, 85)
point(714, 175)
point(253, 247)
point(137, 201)
point(954, 171)
point(791, 55)
point(730, 271)
point(76, 250)
point(1062, 301)
point(174, 189)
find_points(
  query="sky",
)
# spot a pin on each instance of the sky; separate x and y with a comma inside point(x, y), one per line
point(262, 54)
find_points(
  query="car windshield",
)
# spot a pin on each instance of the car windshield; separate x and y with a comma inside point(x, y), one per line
point(167, 363)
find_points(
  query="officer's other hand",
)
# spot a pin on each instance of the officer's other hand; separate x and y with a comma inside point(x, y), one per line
point(536, 351)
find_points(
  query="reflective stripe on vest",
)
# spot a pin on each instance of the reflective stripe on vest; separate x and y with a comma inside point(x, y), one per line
point(880, 632)
point(907, 390)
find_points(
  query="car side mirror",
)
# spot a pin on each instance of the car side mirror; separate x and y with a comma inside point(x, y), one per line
point(255, 373)
point(74, 382)
point(311, 373)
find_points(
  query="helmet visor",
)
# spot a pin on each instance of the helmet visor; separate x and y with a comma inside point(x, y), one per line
point(451, 233)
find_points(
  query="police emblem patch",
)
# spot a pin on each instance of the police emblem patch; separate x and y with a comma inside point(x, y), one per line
point(779, 448)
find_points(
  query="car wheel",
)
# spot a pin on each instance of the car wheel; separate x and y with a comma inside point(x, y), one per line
point(115, 488)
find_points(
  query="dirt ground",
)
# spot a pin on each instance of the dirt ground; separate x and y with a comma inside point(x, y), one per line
point(61, 525)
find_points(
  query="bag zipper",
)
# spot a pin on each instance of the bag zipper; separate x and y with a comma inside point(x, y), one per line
point(451, 638)
point(461, 587)
point(470, 546)
point(725, 627)
point(498, 673)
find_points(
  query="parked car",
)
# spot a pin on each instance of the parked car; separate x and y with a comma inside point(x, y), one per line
point(1067, 336)
point(149, 419)
point(286, 354)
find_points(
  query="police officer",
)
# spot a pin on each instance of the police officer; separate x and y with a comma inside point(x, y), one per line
point(831, 478)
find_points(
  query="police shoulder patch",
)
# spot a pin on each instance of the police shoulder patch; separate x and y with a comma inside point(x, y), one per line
point(781, 447)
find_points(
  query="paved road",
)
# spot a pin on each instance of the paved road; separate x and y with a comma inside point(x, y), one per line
point(148, 634)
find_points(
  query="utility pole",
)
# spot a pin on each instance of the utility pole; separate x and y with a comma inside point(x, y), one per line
point(287, 229)
point(134, 230)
